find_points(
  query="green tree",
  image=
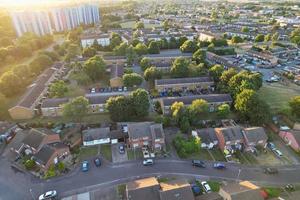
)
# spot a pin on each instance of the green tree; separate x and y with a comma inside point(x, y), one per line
point(139, 25)
point(76, 108)
point(268, 37)
point(180, 67)
point(275, 37)
point(40, 63)
point(223, 110)
point(166, 25)
point(245, 29)
point(259, 38)
point(182, 40)
point(197, 70)
point(177, 110)
point(251, 108)
point(72, 51)
point(130, 55)
point(199, 56)
point(132, 79)
point(89, 52)
point(294, 104)
point(29, 164)
point(10, 84)
point(94, 67)
point(140, 103)
point(145, 63)
point(61, 167)
point(3, 108)
point(119, 108)
point(216, 71)
point(236, 39)
point(58, 89)
point(121, 49)
point(154, 47)
point(188, 46)
point(115, 40)
point(196, 109)
point(22, 71)
point(152, 73)
point(140, 49)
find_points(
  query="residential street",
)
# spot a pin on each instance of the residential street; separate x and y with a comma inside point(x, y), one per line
point(17, 185)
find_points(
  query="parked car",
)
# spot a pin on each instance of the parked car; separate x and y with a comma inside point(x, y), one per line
point(85, 166)
point(219, 166)
point(93, 90)
point(122, 149)
point(270, 170)
point(97, 162)
point(48, 195)
point(198, 163)
point(206, 187)
point(277, 152)
point(148, 162)
point(271, 146)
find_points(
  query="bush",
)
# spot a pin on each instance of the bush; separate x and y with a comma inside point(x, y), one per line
point(61, 167)
point(51, 172)
point(29, 164)
point(185, 147)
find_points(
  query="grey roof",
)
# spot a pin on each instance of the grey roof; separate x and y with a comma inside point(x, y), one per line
point(232, 133)
point(101, 99)
point(207, 135)
point(255, 134)
point(116, 71)
point(209, 196)
point(187, 100)
point(182, 80)
point(95, 134)
point(6, 126)
point(44, 154)
point(145, 189)
point(35, 137)
point(176, 190)
point(54, 103)
point(157, 131)
point(139, 129)
point(246, 191)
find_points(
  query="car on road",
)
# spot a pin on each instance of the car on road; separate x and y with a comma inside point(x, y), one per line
point(219, 166)
point(97, 162)
point(48, 195)
point(277, 153)
point(122, 149)
point(198, 163)
point(93, 90)
point(85, 166)
point(270, 170)
point(206, 187)
point(148, 162)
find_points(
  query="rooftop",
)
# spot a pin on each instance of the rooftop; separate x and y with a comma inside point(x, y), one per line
point(182, 80)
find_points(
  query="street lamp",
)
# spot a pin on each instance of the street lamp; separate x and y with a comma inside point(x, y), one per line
point(237, 179)
point(30, 190)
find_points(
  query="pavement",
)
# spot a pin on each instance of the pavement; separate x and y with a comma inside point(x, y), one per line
point(116, 155)
point(21, 185)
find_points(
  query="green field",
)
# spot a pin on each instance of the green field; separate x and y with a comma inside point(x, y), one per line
point(278, 95)
point(131, 24)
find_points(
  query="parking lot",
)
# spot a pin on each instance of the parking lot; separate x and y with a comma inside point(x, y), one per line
point(118, 157)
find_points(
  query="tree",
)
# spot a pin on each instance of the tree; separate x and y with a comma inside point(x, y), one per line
point(89, 52)
point(145, 63)
point(197, 70)
point(40, 63)
point(140, 49)
point(294, 104)
point(177, 110)
point(139, 25)
point(173, 43)
point(275, 37)
point(251, 108)
point(152, 73)
point(29, 164)
point(58, 89)
point(216, 71)
point(259, 38)
point(199, 56)
point(94, 67)
point(180, 67)
point(132, 79)
point(140, 103)
point(3, 108)
point(10, 84)
point(223, 110)
point(121, 49)
point(197, 108)
point(130, 55)
point(76, 108)
point(188, 46)
point(236, 39)
point(182, 40)
point(22, 71)
point(115, 40)
point(119, 108)
point(72, 51)
point(153, 47)
point(166, 25)
point(268, 37)
point(295, 36)
point(245, 29)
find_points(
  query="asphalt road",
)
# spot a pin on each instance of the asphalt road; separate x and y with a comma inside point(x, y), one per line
point(18, 185)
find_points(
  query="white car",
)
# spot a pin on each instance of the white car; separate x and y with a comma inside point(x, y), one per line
point(206, 187)
point(277, 152)
point(48, 195)
point(93, 90)
point(148, 162)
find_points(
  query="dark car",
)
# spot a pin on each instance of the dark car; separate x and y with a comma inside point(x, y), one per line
point(198, 163)
point(97, 162)
point(219, 166)
point(122, 149)
point(270, 170)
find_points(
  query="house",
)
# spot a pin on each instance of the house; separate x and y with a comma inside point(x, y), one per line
point(243, 190)
point(87, 39)
point(216, 59)
point(208, 36)
point(182, 84)
point(51, 154)
point(214, 100)
point(116, 76)
point(29, 104)
point(230, 138)
point(254, 136)
point(96, 136)
point(53, 107)
point(263, 56)
point(146, 189)
point(209, 196)
point(208, 137)
point(176, 190)
point(292, 138)
point(149, 134)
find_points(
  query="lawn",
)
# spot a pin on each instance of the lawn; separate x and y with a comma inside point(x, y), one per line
point(202, 155)
point(131, 24)
point(277, 95)
point(214, 185)
point(217, 154)
point(88, 152)
point(105, 151)
point(134, 154)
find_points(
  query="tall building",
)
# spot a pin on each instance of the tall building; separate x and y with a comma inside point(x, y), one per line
point(55, 19)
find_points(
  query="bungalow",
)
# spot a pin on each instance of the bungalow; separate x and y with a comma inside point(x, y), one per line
point(292, 138)
point(254, 136)
point(182, 84)
point(230, 138)
point(95, 136)
point(116, 76)
point(214, 100)
point(208, 137)
point(53, 107)
point(142, 134)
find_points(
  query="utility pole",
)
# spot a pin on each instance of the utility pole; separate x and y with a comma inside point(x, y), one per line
point(30, 190)
point(238, 176)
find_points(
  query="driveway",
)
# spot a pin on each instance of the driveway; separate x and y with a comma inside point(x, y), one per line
point(116, 156)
